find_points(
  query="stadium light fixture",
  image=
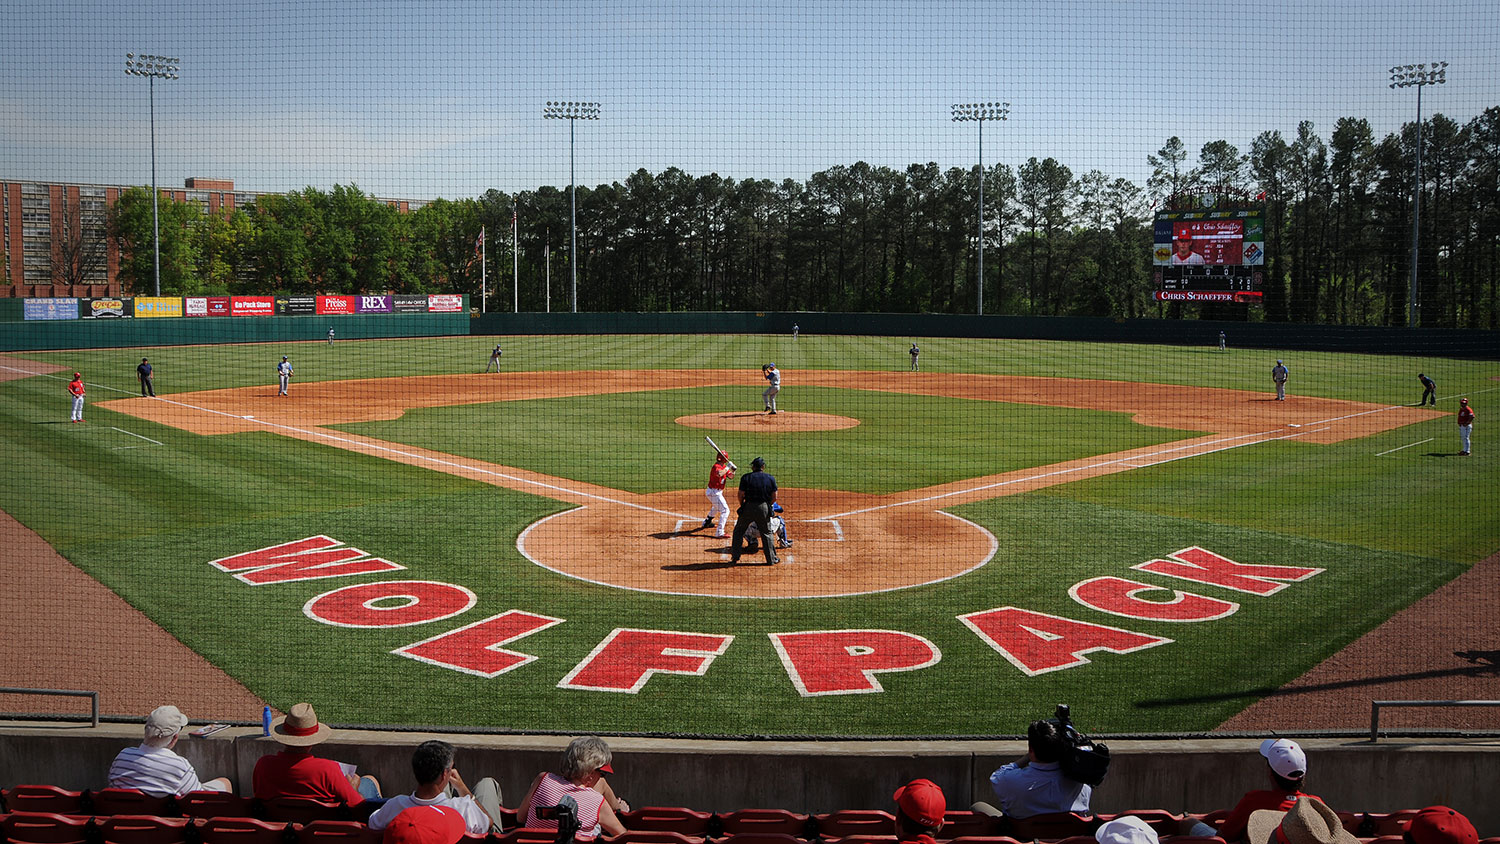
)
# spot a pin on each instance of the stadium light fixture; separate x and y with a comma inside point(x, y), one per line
point(1417, 76)
point(572, 111)
point(153, 68)
point(980, 112)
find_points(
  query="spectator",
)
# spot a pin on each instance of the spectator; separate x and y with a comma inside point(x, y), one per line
point(153, 767)
point(296, 772)
point(1127, 829)
point(432, 765)
point(1439, 825)
point(1308, 822)
point(1035, 783)
point(920, 806)
point(580, 778)
point(1286, 765)
point(425, 825)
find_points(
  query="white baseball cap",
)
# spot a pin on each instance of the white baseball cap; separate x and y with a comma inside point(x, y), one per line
point(1127, 829)
point(165, 722)
point(1285, 758)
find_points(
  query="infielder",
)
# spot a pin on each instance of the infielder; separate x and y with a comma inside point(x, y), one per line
point(722, 470)
point(915, 353)
point(769, 396)
point(75, 389)
point(494, 359)
point(1278, 377)
point(1465, 424)
point(283, 374)
point(778, 530)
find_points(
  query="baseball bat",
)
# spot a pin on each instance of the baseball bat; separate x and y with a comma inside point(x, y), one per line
point(712, 443)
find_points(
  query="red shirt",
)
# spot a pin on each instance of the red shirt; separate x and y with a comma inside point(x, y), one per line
point(718, 475)
point(295, 772)
point(1233, 828)
point(76, 386)
point(1465, 415)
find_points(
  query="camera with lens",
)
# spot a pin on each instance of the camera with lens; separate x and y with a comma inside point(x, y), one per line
point(1085, 760)
point(566, 815)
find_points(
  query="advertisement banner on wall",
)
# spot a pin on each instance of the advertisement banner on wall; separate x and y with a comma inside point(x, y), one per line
point(252, 306)
point(373, 304)
point(445, 303)
point(105, 309)
point(219, 306)
point(336, 304)
point(67, 308)
point(294, 305)
point(157, 306)
point(406, 303)
point(195, 306)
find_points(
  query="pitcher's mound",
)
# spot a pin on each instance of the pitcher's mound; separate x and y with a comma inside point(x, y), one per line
point(786, 420)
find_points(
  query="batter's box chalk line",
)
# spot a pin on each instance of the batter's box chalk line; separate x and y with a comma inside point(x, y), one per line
point(797, 534)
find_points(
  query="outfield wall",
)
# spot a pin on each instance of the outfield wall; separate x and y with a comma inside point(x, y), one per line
point(1444, 342)
point(192, 331)
point(721, 776)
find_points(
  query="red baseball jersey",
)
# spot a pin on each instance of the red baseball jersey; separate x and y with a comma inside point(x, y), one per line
point(718, 475)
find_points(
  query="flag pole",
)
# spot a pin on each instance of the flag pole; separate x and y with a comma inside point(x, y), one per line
point(515, 255)
point(484, 267)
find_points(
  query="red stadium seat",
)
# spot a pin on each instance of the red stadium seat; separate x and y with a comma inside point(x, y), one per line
point(230, 830)
point(130, 801)
point(1376, 824)
point(962, 824)
point(508, 819)
point(47, 828)
point(1055, 825)
point(762, 838)
point(769, 821)
point(304, 810)
point(655, 836)
point(215, 804)
point(880, 839)
point(982, 839)
point(667, 819)
point(1163, 822)
point(1192, 839)
point(847, 822)
point(525, 835)
point(144, 829)
point(43, 798)
point(337, 832)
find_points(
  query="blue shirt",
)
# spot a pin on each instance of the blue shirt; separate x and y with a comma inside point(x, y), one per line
point(1038, 789)
point(758, 487)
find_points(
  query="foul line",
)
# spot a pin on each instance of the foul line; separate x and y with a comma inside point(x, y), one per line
point(1408, 445)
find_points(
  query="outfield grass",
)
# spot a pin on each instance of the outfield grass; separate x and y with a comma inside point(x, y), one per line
point(145, 520)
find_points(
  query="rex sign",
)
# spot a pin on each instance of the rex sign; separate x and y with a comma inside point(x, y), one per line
point(817, 662)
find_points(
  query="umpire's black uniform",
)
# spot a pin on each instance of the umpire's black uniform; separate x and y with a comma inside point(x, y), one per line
point(759, 492)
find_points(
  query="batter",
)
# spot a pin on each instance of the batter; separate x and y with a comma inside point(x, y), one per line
point(722, 470)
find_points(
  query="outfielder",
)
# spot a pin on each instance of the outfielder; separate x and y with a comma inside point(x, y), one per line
point(915, 354)
point(330, 335)
point(283, 374)
point(773, 375)
point(722, 470)
point(494, 359)
point(75, 389)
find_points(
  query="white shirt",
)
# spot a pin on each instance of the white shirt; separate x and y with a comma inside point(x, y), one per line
point(475, 819)
point(155, 770)
point(774, 376)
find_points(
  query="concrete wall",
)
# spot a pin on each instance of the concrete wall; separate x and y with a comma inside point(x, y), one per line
point(1194, 776)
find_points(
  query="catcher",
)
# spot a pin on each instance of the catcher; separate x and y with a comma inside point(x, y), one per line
point(778, 527)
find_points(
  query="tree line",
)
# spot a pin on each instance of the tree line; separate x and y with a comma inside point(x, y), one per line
point(866, 238)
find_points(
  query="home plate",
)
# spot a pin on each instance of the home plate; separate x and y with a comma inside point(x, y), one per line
point(1289, 424)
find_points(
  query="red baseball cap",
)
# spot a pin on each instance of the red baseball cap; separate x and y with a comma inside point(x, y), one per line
point(426, 825)
point(1441, 825)
point(923, 802)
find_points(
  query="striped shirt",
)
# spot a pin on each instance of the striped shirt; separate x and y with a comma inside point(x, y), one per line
point(553, 788)
point(155, 770)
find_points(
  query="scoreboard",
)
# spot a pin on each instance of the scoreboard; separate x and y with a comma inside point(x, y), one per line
point(1216, 254)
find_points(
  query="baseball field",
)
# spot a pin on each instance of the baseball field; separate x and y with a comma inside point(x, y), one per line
point(1140, 531)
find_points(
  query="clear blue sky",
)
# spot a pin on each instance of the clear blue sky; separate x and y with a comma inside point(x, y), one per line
point(424, 99)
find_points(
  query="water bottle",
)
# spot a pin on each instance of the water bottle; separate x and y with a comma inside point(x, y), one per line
point(265, 721)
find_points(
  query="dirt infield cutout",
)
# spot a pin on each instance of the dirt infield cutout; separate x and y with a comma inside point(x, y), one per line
point(845, 543)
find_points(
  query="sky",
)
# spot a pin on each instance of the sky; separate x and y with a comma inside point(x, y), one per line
point(426, 99)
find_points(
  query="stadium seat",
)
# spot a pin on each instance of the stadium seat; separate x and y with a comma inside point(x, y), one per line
point(847, 822)
point(508, 818)
point(655, 836)
point(964, 824)
point(47, 828)
point(982, 839)
point(215, 804)
point(762, 838)
point(1055, 825)
point(877, 839)
point(1163, 822)
point(668, 819)
point(769, 821)
point(1192, 839)
point(43, 798)
point(337, 832)
point(303, 810)
point(144, 829)
point(229, 830)
point(1376, 824)
point(130, 801)
point(524, 835)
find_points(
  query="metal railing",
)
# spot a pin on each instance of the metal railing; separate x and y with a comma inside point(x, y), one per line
point(1375, 706)
point(92, 696)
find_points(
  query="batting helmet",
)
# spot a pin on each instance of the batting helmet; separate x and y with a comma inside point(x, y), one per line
point(775, 508)
point(722, 457)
